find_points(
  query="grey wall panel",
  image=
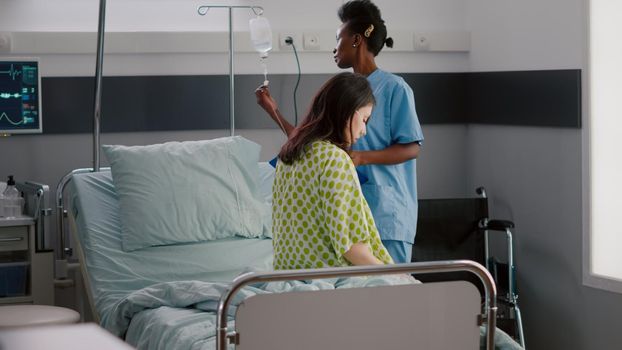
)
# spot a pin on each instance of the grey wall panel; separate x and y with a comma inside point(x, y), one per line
point(149, 103)
point(174, 103)
point(534, 98)
point(440, 98)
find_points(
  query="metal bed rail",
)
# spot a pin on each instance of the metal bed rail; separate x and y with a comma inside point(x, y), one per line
point(62, 250)
point(489, 310)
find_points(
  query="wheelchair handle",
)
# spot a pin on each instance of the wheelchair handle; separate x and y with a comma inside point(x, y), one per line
point(481, 191)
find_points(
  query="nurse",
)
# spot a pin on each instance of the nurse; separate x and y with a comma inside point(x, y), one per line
point(386, 156)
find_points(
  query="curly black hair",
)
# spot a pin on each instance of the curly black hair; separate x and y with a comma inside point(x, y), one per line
point(359, 16)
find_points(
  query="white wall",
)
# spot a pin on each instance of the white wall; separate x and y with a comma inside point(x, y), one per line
point(181, 16)
point(526, 34)
point(534, 175)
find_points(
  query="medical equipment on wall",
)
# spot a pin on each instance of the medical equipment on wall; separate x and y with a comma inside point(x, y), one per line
point(261, 38)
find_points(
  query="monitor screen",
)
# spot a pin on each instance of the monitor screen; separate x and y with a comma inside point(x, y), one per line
point(20, 96)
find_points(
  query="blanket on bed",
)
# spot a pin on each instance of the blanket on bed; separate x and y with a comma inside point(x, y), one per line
point(204, 296)
point(182, 314)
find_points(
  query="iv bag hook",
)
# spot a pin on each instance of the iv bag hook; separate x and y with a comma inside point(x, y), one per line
point(257, 10)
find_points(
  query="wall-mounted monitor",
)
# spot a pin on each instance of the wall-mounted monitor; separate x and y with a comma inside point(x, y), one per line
point(20, 96)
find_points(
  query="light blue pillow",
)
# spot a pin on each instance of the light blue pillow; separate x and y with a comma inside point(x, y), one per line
point(183, 192)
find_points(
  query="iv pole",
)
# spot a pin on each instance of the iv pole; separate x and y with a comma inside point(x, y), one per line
point(98, 83)
point(202, 10)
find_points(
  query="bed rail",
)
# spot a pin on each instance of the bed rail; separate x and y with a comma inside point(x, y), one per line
point(489, 310)
point(62, 249)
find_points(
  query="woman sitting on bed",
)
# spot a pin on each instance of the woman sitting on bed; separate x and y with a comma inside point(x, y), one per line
point(319, 215)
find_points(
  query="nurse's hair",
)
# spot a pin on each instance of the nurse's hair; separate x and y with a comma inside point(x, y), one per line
point(330, 114)
point(363, 17)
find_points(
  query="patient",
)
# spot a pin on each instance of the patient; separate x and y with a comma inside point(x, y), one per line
point(319, 215)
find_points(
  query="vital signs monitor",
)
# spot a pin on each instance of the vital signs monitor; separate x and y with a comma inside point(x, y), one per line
point(20, 96)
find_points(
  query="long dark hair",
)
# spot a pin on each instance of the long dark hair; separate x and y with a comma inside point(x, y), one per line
point(363, 17)
point(331, 111)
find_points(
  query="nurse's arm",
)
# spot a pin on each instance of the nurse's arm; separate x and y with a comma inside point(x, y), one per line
point(359, 254)
point(267, 102)
point(394, 154)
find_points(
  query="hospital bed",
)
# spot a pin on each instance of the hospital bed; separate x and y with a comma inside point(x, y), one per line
point(223, 293)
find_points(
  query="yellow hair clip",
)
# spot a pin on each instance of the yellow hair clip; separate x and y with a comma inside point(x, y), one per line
point(369, 30)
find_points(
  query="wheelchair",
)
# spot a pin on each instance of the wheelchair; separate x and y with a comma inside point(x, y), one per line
point(458, 228)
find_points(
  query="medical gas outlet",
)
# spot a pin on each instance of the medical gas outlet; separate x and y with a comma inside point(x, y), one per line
point(311, 41)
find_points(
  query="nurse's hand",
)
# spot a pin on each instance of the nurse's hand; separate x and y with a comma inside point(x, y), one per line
point(265, 100)
point(357, 157)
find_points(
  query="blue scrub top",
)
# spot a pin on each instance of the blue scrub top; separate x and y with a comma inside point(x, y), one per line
point(391, 190)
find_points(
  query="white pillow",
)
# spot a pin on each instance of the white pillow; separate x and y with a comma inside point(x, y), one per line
point(182, 192)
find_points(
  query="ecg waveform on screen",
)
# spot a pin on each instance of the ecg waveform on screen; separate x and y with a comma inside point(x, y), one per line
point(4, 115)
point(20, 97)
point(13, 73)
point(7, 95)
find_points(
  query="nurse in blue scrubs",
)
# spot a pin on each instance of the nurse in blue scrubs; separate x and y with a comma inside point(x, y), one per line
point(386, 156)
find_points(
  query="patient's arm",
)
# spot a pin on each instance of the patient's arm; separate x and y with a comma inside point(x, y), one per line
point(360, 254)
point(265, 100)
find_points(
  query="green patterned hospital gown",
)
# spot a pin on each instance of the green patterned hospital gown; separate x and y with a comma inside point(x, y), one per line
point(319, 212)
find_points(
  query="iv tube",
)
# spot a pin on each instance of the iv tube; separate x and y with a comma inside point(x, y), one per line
point(265, 71)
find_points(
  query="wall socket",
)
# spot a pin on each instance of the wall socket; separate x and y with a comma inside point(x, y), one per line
point(442, 41)
point(283, 37)
point(421, 42)
point(5, 42)
point(311, 41)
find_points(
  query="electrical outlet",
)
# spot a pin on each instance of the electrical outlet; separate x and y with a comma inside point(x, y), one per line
point(283, 40)
point(311, 41)
point(421, 42)
point(5, 42)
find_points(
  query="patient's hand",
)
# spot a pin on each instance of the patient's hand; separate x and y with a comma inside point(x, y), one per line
point(265, 100)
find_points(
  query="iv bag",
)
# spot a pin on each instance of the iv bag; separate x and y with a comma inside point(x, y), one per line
point(261, 35)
